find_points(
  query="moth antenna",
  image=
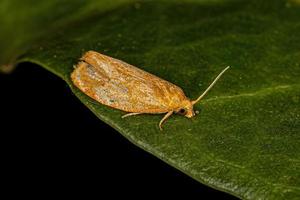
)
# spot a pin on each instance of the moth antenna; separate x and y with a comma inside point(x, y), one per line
point(211, 85)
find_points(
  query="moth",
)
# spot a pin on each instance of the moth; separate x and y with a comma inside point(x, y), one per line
point(122, 86)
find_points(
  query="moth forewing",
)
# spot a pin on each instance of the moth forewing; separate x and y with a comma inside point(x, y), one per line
point(122, 86)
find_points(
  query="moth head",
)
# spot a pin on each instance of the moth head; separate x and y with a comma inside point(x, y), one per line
point(186, 109)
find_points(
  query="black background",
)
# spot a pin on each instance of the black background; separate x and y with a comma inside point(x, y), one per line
point(53, 144)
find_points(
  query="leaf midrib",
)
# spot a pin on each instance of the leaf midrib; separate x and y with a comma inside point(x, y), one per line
point(261, 92)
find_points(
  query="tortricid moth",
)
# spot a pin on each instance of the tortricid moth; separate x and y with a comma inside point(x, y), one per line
point(122, 86)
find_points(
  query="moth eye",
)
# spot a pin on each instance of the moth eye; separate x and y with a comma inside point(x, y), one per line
point(182, 111)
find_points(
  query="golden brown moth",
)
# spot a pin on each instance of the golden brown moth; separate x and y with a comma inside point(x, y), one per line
point(122, 86)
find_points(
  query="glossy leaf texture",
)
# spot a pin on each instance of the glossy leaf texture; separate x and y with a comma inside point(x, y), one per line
point(246, 138)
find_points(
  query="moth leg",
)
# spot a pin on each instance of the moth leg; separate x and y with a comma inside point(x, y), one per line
point(131, 114)
point(164, 119)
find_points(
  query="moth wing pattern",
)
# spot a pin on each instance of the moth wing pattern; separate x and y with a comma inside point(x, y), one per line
point(117, 84)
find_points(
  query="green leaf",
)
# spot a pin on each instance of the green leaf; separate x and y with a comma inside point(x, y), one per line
point(246, 139)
